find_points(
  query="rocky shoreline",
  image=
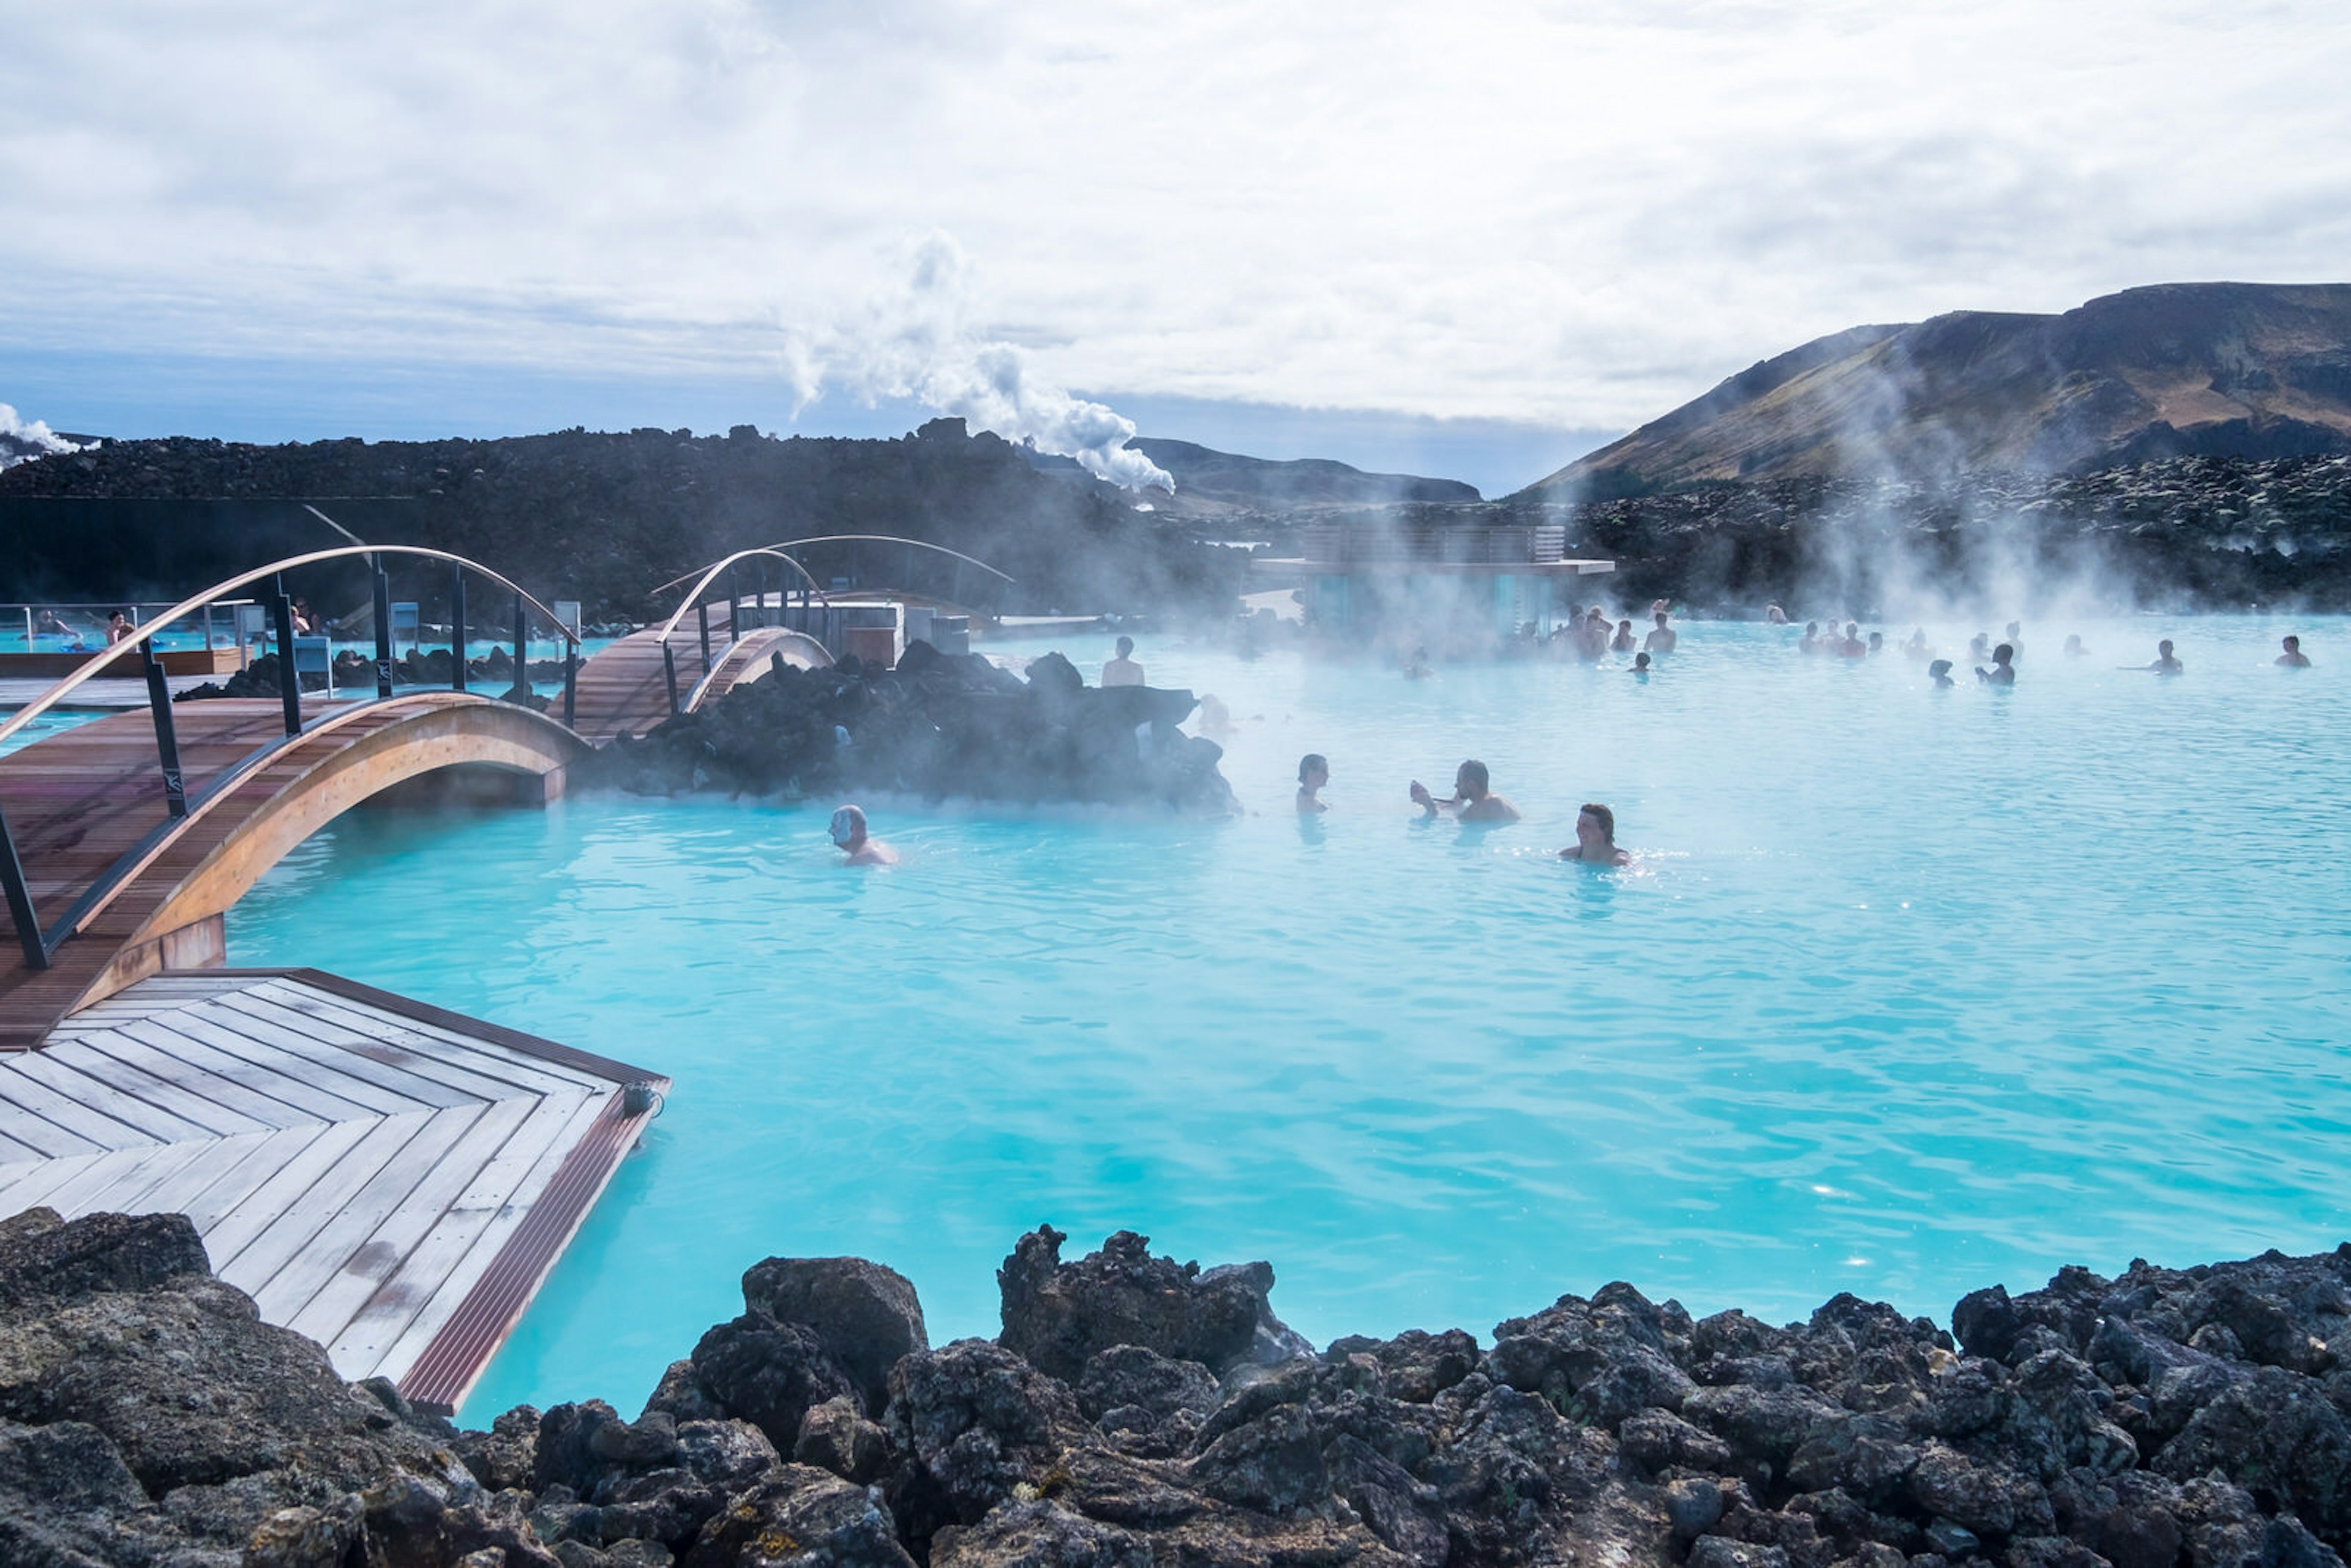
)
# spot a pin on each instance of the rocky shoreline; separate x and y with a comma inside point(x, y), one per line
point(937, 725)
point(1140, 1412)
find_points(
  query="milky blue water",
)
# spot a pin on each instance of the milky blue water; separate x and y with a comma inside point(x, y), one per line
point(1909, 992)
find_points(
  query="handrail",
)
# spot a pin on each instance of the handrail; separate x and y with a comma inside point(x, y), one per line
point(696, 592)
point(106, 656)
point(866, 539)
point(702, 687)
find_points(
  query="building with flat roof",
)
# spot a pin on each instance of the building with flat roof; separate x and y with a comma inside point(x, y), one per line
point(1441, 584)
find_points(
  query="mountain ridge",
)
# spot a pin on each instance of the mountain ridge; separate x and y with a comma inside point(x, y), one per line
point(2222, 370)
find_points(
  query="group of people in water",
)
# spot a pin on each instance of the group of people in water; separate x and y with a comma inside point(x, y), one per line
point(1473, 801)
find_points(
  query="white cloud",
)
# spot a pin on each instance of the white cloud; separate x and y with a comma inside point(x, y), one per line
point(1576, 213)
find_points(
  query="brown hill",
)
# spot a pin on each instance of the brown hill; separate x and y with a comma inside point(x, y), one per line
point(2222, 370)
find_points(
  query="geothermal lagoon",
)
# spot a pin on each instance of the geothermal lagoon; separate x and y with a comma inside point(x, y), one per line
point(1908, 992)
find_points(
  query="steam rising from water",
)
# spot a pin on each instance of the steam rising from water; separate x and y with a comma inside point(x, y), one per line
point(916, 342)
point(21, 442)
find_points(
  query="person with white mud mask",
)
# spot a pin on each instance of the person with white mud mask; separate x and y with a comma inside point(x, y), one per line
point(850, 836)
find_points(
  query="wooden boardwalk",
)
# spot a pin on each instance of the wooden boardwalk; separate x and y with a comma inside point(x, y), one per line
point(87, 810)
point(623, 690)
point(390, 1179)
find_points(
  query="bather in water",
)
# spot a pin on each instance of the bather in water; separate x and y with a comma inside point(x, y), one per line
point(1314, 772)
point(850, 836)
point(2003, 667)
point(1473, 801)
point(1595, 838)
point(2294, 658)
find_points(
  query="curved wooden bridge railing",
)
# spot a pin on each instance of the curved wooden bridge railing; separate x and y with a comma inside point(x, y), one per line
point(58, 806)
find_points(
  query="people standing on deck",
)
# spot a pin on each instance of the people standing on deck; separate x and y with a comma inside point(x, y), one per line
point(2294, 658)
point(1122, 671)
point(1595, 838)
point(2003, 667)
point(850, 836)
point(1663, 638)
point(1314, 772)
point(2164, 663)
point(1473, 800)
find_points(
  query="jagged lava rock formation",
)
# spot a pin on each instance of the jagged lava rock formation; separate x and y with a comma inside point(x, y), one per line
point(938, 724)
point(1137, 1413)
point(2224, 370)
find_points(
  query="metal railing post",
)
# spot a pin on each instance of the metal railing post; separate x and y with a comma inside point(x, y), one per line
point(289, 684)
point(457, 631)
point(521, 692)
point(382, 630)
point(20, 900)
point(703, 611)
point(167, 739)
point(571, 683)
point(669, 673)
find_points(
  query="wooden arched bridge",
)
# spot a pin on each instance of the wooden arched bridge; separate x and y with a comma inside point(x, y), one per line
point(389, 1178)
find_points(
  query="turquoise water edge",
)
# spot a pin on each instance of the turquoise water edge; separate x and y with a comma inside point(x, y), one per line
point(1908, 992)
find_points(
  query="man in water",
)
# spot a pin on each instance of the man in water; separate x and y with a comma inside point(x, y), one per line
point(1595, 838)
point(1852, 647)
point(1663, 638)
point(1811, 640)
point(1940, 672)
point(2003, 667)
point(2294, 658)
point(2074, 649)
point(1122, 671)
point(849, 835)
point(2165, 663)
point(1314, 772)
point(2015, 635)
point(1641, 664)
point(1623, 642)
point(1473, 798)
point(1774, 616)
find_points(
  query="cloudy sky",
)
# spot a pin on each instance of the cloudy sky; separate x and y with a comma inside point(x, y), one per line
point(1466, 240)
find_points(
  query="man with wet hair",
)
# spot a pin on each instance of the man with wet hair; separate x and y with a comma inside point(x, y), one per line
point(1595, 838)
point(2003, 667)
point(1663, 638)
point(2294, 658)
point(850, 837)
point(1122, 671)
point(1314, 772)
point(1473, 799)
point(2166, 664)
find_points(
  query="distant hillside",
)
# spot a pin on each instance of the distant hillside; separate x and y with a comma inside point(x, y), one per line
point(2222, 369)
point(1224, 487)
point(598, 517)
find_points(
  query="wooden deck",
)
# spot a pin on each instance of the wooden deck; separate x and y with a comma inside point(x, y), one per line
point(622, 689)
point(85, 805)
point(390, 1179)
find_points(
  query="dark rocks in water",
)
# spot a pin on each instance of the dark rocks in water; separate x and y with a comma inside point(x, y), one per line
point(936, 725)
point(2168, 1418)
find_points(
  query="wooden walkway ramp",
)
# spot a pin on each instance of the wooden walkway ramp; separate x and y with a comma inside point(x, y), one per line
point(624, 689)
point(86, 809)
point(393, 1180)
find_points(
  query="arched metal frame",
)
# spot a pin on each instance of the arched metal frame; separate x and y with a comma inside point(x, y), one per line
point(178, 802)
point(858, 538)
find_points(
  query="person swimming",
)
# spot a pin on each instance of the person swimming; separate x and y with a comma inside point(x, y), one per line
point(2003, 667)
point(1940, 672)
point(1473, 800)
point(1314, 772)
point(2165, 663)
point(850, 837)
point(2294, 658)
point(1640, 664)
point(2074, 649)
point(1595, 838)
point(1876, 644)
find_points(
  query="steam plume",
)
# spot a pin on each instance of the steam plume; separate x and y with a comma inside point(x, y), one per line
point(21, 442)
point(915, 343)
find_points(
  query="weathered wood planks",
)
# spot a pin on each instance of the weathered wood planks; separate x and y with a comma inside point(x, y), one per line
point(389, 1178)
